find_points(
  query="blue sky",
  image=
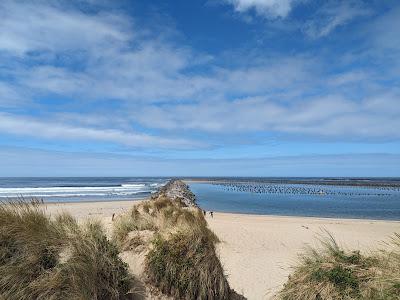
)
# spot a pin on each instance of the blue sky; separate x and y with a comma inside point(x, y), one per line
point(213, 87)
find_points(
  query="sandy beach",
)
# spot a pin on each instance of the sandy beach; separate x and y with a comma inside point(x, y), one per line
point(83, 211)
point(258, 251)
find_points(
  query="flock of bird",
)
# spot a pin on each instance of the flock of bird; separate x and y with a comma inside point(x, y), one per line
point(268, 188)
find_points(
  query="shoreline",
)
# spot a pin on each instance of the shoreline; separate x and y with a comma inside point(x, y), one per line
point(305, 217)
point(107, 202)
point(93, 201)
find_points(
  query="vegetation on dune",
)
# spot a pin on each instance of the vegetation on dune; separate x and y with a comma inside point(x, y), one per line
point(162, 216)
point(184, 265)
point(45, 258)
point(181, 260)
point(333, 273)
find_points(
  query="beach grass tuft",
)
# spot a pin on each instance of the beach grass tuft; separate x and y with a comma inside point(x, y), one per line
point(55, 258)
point(184, 265)
point(330, 272)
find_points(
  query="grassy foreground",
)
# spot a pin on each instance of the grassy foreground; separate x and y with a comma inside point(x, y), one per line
point(54, 257)
point(181, 260)
point(45, 258)
point(330, 273)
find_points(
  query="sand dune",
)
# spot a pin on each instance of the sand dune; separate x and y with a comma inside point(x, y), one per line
point(257, 251)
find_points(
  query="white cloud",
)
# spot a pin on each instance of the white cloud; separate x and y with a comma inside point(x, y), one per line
point(152, 70)
point(25, 126)
point(375, 118)
point(122, 62)
point(333, 15)
point(346, 78)
point(9, 96)
point(384, 44)
point(27, 26)
point(267, 8)
point(72, 53)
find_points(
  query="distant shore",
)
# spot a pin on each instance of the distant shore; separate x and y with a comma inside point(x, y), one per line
point(257, 251)
point(367, 182)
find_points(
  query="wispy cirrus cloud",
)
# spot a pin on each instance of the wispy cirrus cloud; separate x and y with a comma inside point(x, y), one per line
point(41, 129)
point(44, 26)
point(329, 16)
point(333, 15)
point(331, 117)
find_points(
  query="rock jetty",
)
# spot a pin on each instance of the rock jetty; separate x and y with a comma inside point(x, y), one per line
point(176, 189)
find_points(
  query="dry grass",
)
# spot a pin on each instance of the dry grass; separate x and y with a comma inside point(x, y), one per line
point(185, 266)
point(181, 260)
point(333, 273)
point(162, 216)
point(44, 258)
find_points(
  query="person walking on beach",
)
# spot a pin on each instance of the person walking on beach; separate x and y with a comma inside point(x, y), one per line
point(204, 212)
point(212, 215)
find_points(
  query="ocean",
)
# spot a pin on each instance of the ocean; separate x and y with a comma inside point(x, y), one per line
point(78, 189)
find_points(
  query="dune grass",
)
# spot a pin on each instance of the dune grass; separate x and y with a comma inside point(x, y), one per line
point(185, 266)
point(181, 260)
point(55, 258)
point(330, 272)
point(162, 216)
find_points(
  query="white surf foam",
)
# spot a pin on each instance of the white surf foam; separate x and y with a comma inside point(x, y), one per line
point(123, 190)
